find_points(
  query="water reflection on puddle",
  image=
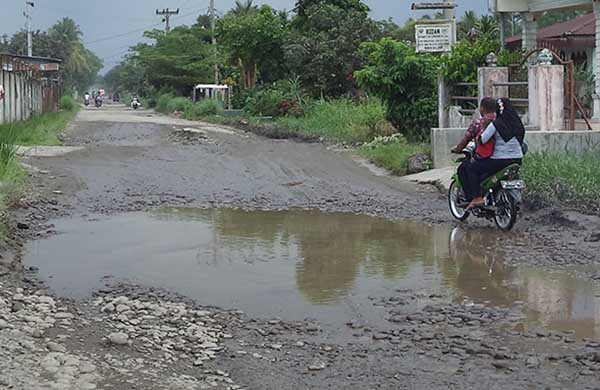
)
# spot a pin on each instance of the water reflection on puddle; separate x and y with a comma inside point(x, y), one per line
point(302, 264)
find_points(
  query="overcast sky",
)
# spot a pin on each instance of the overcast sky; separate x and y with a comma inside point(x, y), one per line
point(107, 18)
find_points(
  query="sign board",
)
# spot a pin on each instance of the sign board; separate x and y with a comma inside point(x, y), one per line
point(434, 38)
point(49, 67)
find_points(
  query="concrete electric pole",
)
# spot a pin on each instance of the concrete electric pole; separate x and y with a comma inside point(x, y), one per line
point(28, 8)
point(214, 38)
point(166, 13)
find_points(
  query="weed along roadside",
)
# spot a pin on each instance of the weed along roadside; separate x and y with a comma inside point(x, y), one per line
point(39, 130)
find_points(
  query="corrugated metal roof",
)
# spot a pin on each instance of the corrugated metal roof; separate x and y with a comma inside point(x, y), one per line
point(581, 26)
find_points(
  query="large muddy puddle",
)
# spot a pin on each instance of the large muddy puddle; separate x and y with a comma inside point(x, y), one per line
point(304, 264)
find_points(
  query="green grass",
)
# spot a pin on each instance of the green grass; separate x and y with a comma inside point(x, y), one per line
point(40, 129)
point(563, 179)
point(392, 153)
point(340, 121)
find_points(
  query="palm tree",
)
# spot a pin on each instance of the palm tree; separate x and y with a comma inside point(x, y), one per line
point(488, 26)
point(467, 23)
point(244, 7)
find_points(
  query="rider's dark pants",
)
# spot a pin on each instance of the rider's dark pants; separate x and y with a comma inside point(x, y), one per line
point(478, 170)
point(462, 176)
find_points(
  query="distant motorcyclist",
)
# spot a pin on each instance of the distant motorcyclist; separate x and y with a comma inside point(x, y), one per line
point(86, 99)
point(98, 101)
point(135, 103)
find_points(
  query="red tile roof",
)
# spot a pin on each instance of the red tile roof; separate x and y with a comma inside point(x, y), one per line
point(581, 26)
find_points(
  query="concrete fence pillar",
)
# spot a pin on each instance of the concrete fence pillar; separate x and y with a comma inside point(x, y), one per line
point(546, 96)
point(487, 77)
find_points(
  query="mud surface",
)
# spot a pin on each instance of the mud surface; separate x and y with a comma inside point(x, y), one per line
point(424, 308)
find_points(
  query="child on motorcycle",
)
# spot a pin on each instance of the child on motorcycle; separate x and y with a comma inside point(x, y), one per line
point(487, 109)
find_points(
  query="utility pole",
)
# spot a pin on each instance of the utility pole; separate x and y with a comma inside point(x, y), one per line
point(166, 13)
point(28, 8)
point(214, 39)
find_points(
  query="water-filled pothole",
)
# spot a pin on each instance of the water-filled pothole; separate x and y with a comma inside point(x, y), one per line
point(304, 264)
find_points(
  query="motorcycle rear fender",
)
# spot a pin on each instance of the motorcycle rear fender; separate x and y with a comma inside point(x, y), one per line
point(456, 179)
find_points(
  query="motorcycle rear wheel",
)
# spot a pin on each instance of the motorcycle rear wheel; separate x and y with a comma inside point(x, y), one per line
point(455, 197)
point(505, 216)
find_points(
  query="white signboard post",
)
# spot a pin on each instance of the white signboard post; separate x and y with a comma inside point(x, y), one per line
point(434, 38)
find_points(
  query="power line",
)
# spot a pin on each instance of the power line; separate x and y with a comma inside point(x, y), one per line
point(142, 29)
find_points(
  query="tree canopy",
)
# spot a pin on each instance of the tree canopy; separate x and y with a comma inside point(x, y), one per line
point(62, 41)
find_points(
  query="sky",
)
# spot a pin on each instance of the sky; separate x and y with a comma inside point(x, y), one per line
point(110, 26)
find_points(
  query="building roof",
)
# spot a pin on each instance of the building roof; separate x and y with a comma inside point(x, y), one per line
point(582, 26)
point(33, 58)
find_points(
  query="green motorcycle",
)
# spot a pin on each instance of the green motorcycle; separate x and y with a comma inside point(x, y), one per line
point(503, 195)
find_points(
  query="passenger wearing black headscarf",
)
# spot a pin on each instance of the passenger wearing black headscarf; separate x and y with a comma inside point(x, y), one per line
point(509, 133)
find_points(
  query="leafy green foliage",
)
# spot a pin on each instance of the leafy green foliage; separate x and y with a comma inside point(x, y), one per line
point(178, 59)
point(253, 40)
point(179, 104)
point(62, 41)
point(67, 103)
point(303, 7)
point(265, 102)
point(163, 102)
point(563, 178)
point(203, 109)
point(405, 81)
point(466, 56)
point(323, 50)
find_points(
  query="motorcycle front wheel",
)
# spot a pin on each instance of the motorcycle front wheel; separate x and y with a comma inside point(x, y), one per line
point(456, 198)
point(505, 216)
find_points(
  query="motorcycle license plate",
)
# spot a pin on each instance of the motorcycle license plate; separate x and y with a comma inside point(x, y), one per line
point(513, 184)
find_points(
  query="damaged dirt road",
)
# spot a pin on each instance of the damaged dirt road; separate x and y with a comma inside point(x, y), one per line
point(169, 254)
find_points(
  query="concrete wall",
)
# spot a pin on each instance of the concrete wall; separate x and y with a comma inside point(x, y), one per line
point(25, 96)
point(442, 140)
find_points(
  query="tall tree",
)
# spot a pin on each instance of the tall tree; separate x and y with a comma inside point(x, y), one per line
point(177, 59)
point(254, 41)
point(303, 5)
point(323, 50)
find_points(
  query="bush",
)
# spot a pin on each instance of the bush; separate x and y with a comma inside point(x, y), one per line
point(204, 108)
point(180, 104)
point(563, 179)
point(406, 81)
point(266, 102)
point(149, 102)
point(392, 152)
point(162, 103)
point(67, 103)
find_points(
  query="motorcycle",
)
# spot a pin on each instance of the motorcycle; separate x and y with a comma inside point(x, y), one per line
point(502, 199)
point(98, 102)
point(86, 100)
point(135, 104)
